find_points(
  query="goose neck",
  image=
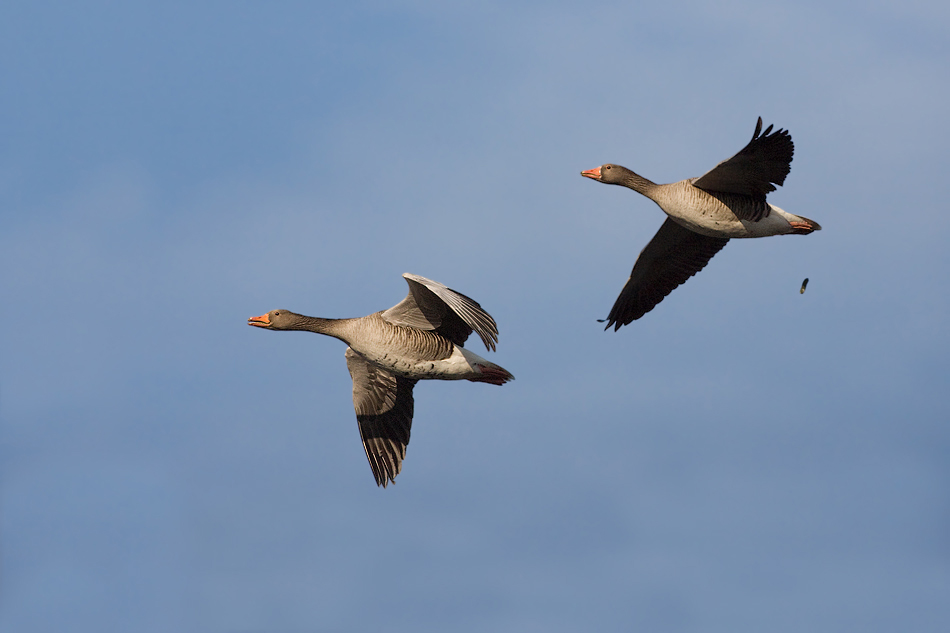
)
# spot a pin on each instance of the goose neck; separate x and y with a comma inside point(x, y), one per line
point(638, 183)
point(316, 324)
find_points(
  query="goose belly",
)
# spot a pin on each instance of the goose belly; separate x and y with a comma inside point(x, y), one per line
point(458, 366)
point(705, 215)
point(712, 226)
point(715, 219)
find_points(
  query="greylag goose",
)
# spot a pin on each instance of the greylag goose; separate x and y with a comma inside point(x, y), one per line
point(419, 338)
point(704, 213)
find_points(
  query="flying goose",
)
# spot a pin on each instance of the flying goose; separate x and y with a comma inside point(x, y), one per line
point(419, 338)
point(704, 213)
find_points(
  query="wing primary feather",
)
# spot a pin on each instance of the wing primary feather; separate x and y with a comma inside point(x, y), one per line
point(673, 255)
point(384, 407)
point(466, 308)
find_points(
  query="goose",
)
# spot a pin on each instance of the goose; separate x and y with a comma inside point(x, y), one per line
point(419, 338)
point(703, 214)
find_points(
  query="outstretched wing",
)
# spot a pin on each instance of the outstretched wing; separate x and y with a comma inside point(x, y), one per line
point(432, 306)
point(383, 403)
point(673, 255)
point(767, 159)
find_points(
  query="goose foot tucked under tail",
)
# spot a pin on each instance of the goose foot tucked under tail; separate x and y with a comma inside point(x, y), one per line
point(804, 226)
point(494, 375)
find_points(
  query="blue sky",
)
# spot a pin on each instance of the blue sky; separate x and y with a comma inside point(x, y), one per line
point(743, 458)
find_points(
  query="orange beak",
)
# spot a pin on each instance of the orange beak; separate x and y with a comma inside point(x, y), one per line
point(592, 173)
point(261, 321)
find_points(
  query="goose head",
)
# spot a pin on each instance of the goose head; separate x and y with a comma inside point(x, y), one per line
point(609, 174)
point(275, 320)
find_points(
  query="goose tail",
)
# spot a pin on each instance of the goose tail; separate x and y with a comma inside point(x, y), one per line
point(803, 226)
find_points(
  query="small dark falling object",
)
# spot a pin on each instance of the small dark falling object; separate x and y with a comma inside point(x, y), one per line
point(804, 285)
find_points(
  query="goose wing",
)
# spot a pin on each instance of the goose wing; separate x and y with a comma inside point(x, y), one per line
point(767, 159)
point(432, 306)
point(383, 403)
point(673, 255)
